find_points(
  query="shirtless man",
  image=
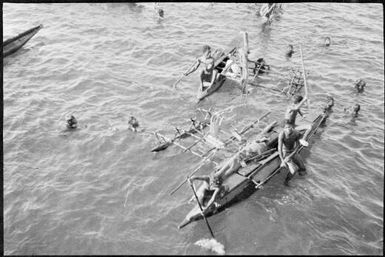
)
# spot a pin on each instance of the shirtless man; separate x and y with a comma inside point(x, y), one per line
point(72, 123)
point(291, 114)
point(266, 10)
point(290, 51)
point(237, 161)
point(252, 148)
point(288, 140)
point(327, 41)
point(232, 68)
point(353, 111)
point(212, 187)
point(208, 73)
point(360, 85)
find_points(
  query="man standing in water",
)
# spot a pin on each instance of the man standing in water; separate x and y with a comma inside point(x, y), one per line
point(208, 73)
point(288, 140)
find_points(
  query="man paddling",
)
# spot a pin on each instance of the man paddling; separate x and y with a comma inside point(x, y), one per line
point(208, 73)
point(288, 140)
point(210, 190)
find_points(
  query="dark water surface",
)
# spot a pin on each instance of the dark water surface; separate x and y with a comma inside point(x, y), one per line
point(65, 193)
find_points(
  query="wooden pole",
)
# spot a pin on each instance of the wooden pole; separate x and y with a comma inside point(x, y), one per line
point(245, 70)
point(200, 207)
point(182, 76)
point(304, 77)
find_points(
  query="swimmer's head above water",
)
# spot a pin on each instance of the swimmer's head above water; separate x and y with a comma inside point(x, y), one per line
point(327, 41)
point(133, 123)
point(72, 123)
point(290, 50)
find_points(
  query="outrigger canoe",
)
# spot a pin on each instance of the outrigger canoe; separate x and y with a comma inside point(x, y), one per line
point(11, 45)
point(219, 65)
point(254, 174)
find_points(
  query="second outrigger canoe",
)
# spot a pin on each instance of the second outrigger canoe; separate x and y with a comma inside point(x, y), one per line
point(219, 66)
point(254, 174)
point(13, 44)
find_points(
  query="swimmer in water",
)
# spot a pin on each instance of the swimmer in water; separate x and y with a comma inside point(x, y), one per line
point(327, 41)
point(329, 104)
point(360, 85)
point(133, 123)
point(72, 123)
point(353, 111)
point(159, 10)
point(267, 10)
point(208, 73)
point(290, 51)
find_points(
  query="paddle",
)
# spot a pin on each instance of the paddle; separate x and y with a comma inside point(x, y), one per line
point(200, 207)
point(183, 75)
point(304, 76)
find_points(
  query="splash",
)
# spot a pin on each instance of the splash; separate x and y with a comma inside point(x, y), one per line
point(211, 244)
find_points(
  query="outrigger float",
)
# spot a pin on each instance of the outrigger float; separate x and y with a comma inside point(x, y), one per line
point(13, 44)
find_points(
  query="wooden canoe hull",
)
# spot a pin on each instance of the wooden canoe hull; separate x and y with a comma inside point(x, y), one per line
point(11, 45)
point(208, 91)
point(220, 64)
point(259, 172)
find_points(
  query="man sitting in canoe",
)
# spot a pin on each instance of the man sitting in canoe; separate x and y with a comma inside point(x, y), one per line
point(208, 73)
point(209, 191)
point(212, 187)
point(291, 114)
point(288, 140)
point(233, 164)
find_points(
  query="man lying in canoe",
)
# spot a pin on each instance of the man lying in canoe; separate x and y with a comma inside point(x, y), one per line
point(208, 73)
point(212, 186)
point(229, 166)
point(288, 140)
point(237, 161)
point(291, 114)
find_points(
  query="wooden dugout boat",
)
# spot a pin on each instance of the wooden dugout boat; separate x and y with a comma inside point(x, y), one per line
point(219, 66)
point(254, 174)
point(11, 45)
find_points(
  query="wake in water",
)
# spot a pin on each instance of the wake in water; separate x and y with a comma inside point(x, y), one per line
point(211, 244)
